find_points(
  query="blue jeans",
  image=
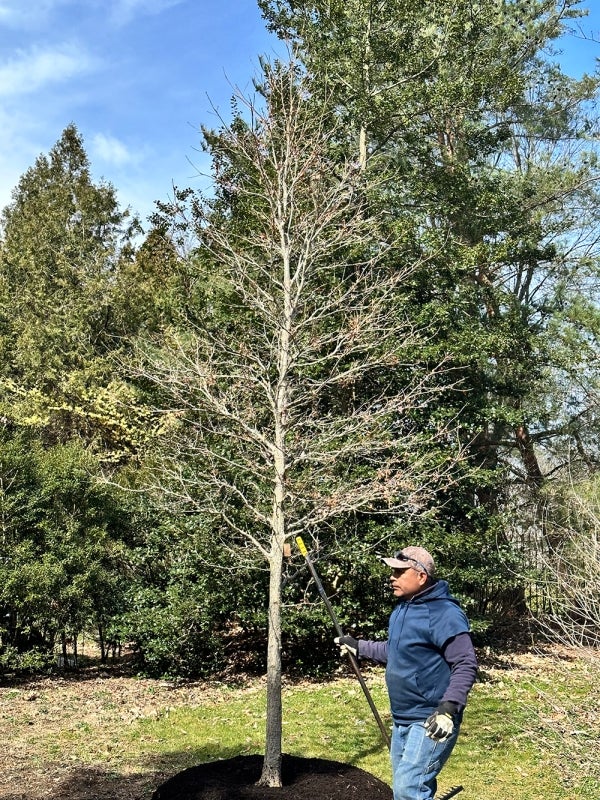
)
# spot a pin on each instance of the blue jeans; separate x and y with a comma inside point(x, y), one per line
point(417, 760)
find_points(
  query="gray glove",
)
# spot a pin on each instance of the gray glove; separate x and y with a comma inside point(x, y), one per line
point(347, 644)
point(440, 724)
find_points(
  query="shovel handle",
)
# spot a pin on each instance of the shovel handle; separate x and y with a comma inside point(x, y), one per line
point(353, 660)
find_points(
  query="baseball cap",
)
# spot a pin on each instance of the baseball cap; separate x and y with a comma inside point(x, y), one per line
point(412, 557)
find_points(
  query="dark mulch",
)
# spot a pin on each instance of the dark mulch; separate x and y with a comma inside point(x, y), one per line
point(303, 779)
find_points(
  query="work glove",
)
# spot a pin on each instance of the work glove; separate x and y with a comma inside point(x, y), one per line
point(440, 724)
point(347, 644)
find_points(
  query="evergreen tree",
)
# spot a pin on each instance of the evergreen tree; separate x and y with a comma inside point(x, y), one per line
point(495, 161)
point(64, 244)
point(62, 549)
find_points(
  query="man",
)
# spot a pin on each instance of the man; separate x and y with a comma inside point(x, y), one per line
point(430, 668)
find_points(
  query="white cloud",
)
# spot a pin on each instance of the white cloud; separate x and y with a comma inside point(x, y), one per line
point(124, 11)
point(111, 150)
point(28, 15)
point(29, 71)
point(35, 14)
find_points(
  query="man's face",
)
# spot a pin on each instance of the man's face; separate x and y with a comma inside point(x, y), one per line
point(407, 582)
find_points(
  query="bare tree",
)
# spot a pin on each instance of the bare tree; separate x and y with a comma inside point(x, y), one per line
point(304, 404)
point(568, 595)
point(570, 566)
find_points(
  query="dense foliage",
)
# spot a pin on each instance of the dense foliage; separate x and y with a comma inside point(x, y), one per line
point(458, 161)
point(495, 159)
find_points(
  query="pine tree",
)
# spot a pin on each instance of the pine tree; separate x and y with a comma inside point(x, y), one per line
point(64, 243)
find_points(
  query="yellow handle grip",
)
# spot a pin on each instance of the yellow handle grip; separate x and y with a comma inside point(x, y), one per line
point(301, 546)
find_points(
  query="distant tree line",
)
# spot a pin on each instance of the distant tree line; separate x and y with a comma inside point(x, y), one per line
point(380, 327)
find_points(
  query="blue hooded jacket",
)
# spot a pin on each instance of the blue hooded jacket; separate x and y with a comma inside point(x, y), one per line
point(422, 654)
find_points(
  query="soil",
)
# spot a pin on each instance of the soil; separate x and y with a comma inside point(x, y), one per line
point(303, 779)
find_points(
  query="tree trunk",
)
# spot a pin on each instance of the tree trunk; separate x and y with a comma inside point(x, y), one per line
point(366, 77)
point(535, 476)
point(271, 772)
point(103, 647)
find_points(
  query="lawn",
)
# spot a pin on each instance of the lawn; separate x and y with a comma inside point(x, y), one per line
point(107, 735)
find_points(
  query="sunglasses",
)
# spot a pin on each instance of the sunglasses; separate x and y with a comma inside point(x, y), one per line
point(401, 557)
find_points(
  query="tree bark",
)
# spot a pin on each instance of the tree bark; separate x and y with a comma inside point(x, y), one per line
point(271, 771)
point(533, 471)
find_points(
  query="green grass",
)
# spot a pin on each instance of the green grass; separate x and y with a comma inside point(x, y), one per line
point(529, 731)
point(501, 753)
point(330, 720)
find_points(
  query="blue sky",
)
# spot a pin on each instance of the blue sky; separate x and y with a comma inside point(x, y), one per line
point(139, 78)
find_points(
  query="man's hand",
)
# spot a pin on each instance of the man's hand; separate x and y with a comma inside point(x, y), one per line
point(347, 644)
point(440, 724)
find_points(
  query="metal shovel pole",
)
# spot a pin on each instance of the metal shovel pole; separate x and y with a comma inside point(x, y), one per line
point(352, 658)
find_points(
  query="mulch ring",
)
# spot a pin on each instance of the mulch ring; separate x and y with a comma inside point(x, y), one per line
point(302, 778)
